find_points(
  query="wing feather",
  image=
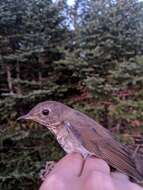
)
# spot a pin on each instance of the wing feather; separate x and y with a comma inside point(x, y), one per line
point(100, 142)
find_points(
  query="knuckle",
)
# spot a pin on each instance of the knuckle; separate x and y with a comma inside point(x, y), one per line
point(95, 175)
point(102, 166)
point(55, 181)
point(100, 180)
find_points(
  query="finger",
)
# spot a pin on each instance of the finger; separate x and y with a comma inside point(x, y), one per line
point(94, 164)
point(97, 180)
point(68, 166)
point(53, 182)
point(119, 176)
point(134, 186)
point(122, 182)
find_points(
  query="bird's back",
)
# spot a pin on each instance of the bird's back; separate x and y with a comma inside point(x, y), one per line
point(98, 140)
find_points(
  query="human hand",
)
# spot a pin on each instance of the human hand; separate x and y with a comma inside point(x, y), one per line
point(72, 173)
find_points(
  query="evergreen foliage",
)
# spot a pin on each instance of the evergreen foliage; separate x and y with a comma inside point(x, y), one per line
point(89, 56)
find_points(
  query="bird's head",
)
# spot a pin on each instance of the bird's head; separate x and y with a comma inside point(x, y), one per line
point(48, 113)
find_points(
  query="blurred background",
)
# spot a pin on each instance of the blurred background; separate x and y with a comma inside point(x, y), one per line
point(87, 54)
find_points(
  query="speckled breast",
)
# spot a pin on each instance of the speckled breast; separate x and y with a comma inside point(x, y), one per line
point(70, 143)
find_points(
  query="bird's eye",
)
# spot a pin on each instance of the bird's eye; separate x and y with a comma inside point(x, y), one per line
point(45, 112)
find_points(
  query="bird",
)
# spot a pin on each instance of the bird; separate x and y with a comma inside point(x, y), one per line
point(77, 132)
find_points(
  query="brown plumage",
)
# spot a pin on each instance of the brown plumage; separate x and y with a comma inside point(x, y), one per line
point(77, 132)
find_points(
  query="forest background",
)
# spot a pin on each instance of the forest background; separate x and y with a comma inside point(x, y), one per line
point(88, 55)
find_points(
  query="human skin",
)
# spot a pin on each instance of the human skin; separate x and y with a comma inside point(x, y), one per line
point(73, 173)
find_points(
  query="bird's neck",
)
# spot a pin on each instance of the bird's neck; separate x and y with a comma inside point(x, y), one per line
point(58, 130)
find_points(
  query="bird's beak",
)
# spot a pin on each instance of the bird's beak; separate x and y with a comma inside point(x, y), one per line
point(24, 117)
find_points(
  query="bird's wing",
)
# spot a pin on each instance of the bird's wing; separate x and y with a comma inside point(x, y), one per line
point(99, 141)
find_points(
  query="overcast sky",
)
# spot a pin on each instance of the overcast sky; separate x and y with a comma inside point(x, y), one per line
point(71, 2)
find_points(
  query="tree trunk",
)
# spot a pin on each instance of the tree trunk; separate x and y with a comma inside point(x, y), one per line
point(75, 15)
point(18, 87)
point(40, 78)
point(41, 63)
point(9, 78)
